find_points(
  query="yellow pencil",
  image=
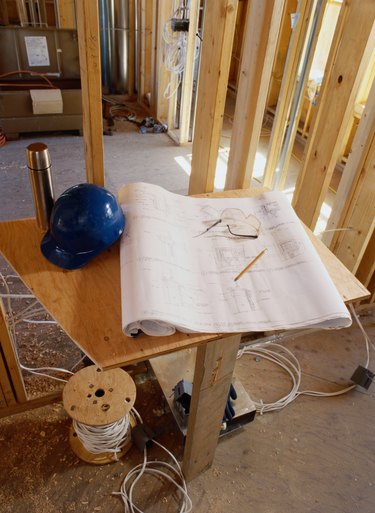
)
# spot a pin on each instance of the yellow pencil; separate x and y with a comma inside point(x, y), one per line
point(250, 265)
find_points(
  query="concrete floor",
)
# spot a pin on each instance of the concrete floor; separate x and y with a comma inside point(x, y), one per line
point(314, 456)
point(129, 157)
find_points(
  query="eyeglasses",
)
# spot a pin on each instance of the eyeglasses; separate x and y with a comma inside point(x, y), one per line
point(237, 223)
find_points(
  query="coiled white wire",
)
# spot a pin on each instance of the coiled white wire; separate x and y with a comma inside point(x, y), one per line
point(175, 44)
point(108, 438)
point(162, 469)
point(284, 358)
point(175, 52)
point(112, 438)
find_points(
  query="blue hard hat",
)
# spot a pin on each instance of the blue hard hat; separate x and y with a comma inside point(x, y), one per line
point(85, 220)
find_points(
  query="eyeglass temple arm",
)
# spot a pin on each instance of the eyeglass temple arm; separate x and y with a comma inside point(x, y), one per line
point(244, 236)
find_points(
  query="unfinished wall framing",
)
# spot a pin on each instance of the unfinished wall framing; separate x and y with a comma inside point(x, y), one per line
point(332, 118)
point(254, 75)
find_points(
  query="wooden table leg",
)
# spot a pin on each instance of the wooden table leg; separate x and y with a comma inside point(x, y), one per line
point(212, 377)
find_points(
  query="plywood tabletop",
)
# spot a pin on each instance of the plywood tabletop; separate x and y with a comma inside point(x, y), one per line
point(85, 302)
point(87, 305)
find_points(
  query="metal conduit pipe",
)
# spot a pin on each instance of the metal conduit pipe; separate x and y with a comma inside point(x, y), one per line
point(121, 31)
point(298, 96)
point(114, 44)
point(104, 43)
point(57, 13)
point(111, 44)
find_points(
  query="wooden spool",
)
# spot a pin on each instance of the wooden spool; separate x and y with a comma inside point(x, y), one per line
point(98, 398)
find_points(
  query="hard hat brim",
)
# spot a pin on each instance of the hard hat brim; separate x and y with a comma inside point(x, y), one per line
point(63, 258)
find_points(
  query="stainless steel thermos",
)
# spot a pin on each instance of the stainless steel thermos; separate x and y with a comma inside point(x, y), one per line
point(39, 164)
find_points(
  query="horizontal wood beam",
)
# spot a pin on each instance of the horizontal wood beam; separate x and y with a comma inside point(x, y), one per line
point(53, 397)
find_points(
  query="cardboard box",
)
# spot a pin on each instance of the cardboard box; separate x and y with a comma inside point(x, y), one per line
point(46, 101)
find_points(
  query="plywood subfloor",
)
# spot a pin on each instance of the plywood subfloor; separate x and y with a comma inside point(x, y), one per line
point(316, 455)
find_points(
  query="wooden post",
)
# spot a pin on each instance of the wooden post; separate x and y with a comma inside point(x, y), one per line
point(283, 40)
point(353, 171)
point(3, 403)
point(89, 62)
point(22, 14)
point(154, 55)
point(262, 27)
point(66, 15)
point(144, 81)
point(162, 75)
point(12, 363)
point(294, 121)
point(366, 269)
point(4, 12)
point(187, 82)
point(218, 32)
point(287, 90)
point(212, 378)
point(7, 397)
point(360, 216)
point(350, 57)
point(131, 52)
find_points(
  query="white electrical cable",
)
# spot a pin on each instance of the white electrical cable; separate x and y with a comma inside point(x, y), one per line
point(175, 45)
point(108, 438)
point(77, 363)
point(366, 337)
point(160, 469)
point(33, 321)
point(35, 370)
point(285, 359)
point(175, 52)
point(18, 296)
point(274, 353)
point(13, 319)
point(24, 310)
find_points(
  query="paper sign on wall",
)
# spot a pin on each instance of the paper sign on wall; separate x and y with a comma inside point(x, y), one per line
point(37, 50)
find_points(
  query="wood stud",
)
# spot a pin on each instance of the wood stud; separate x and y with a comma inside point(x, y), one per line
point(89, 61)
point(263, 20)
point(350, 55)
point(218, 32)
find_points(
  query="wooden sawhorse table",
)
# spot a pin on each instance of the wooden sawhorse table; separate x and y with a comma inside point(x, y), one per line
point(87, 305)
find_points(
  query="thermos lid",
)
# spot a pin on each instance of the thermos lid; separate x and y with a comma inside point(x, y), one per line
point(38, 156)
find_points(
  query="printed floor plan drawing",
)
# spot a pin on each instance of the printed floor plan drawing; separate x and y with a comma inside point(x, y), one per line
point(181, 255)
